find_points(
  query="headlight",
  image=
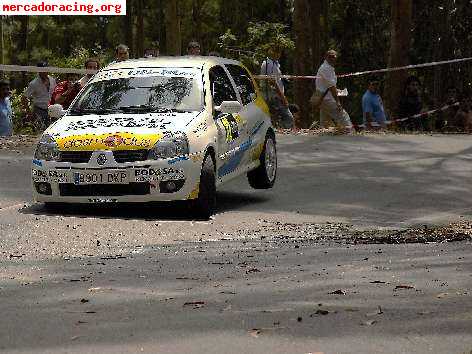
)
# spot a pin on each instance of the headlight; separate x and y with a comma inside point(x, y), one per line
point(47, 149)
point(172, 145)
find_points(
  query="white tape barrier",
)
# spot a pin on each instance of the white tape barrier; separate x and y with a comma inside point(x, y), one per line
point(416, 116)
point(57, 70)
point(49, 69)
point(360, 73)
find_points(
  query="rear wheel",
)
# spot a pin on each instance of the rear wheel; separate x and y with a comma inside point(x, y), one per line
point(204, 205)
point(264, 176)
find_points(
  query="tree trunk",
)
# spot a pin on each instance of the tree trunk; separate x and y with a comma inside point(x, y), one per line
point(196, 19)
point(173, 35)
point(2, 55)
point(140, 29)
point(305, 22)
point(129, 24)
point(400, 41)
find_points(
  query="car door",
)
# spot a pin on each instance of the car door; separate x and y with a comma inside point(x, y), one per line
point(228, 125)
point(251, 115)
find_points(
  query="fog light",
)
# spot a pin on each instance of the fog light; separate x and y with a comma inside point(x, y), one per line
point(171, 186)
point(43, 188)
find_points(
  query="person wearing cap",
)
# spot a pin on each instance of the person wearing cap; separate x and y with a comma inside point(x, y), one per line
point(6, 125)
point(39, 93)
point(194, 49)
point(331, 108)
point(373, 108)
point(273, 90)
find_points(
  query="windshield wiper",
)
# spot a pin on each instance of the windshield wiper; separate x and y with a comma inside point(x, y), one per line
point(92, 111)
point(144, 108)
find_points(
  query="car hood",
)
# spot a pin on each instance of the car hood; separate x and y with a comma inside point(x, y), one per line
point(117, 131)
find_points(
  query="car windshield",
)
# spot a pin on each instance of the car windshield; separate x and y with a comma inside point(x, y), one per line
point(143, 94)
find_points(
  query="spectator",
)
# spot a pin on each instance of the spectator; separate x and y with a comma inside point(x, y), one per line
point(121, 53)
point(446, 118)
point(411, 104)
point(194, 49)
point(463, 116)
point(39, 92)
point(90, 64)
point(6, 126)
point(274, 90)
point(331, 108)
point(152, 52)
point(372, 107)
point(65, 91)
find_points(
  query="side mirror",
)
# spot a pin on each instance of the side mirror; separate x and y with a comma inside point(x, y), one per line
point(56, 111)
point(229, 107)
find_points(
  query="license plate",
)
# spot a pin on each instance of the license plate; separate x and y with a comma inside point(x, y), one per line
point(101, 177)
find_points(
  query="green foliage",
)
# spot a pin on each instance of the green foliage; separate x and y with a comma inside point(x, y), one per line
point(260, 39)
point(19, 125)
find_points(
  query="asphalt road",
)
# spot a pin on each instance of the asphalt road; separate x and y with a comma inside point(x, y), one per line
point(273, 271)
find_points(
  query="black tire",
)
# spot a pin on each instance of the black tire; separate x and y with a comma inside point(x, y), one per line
point(263, 177)
point(204, 205)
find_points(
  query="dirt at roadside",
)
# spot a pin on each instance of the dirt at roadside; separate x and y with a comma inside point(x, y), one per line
point(18, 143)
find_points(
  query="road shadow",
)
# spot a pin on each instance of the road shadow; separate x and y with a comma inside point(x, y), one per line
point(153, 211)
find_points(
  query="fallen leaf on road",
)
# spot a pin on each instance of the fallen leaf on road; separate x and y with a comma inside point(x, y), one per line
point(338, 292)
point(195, 304)
point(404, 287)
point(98, 289)
point(320, 312)
point(255, 332)
point(253, 270)
point(376, 313)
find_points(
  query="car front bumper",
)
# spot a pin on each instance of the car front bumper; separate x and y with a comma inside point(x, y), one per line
point(137, 182)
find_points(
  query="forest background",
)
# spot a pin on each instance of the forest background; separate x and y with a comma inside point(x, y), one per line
point(368, 34)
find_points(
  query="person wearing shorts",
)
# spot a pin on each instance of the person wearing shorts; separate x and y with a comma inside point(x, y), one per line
point(331, 108)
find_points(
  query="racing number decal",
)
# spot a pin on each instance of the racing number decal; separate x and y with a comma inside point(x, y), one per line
point(230, 124)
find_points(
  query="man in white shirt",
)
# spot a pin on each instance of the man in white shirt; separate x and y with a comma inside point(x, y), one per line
point(274, 91)
point(331, 108)
point(39, 92)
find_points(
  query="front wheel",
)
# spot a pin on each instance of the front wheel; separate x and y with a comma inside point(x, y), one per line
point(204, 205)
point(264, 176)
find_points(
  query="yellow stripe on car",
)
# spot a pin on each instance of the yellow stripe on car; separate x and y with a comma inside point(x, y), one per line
point(115, 141)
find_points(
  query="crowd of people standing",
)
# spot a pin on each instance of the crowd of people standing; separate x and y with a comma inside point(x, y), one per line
point(43, 91)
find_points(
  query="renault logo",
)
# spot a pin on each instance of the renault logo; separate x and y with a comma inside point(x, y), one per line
point(113, 140)
point(102, 159)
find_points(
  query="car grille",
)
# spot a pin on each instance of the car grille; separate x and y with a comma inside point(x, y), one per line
point(103, 190)
point(130, 155)
point(75, 156)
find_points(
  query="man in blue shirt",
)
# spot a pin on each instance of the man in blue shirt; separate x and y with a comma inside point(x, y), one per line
point(6, 126)
point(372, 107)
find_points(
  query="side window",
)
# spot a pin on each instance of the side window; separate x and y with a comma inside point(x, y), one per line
point(221, 87)
point(243, 81)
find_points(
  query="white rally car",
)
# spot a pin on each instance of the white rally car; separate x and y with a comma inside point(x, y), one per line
point(158, 129)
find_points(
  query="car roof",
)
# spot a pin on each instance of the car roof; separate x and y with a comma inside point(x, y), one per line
point(172, 62)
